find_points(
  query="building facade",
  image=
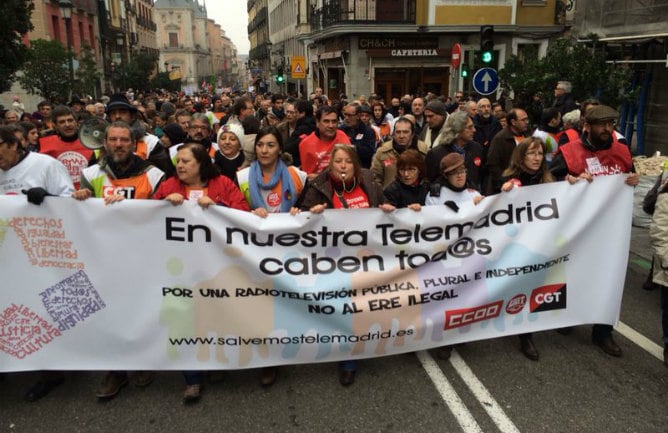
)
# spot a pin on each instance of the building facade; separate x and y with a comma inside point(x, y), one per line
point(259, 57)
point(49, 24)
point(394, 47)
point(127, 27)
point(400, 47)
point(288, 22)
point(192, 47)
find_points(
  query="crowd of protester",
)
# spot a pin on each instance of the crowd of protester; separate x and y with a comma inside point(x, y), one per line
point(274, 153)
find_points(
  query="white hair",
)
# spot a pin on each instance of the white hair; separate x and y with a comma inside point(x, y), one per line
point(565, 85)
point(571, 118)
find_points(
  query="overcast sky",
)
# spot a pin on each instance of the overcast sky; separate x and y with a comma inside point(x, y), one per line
point(233, 18)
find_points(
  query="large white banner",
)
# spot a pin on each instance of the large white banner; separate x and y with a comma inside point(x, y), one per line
point(144, 285)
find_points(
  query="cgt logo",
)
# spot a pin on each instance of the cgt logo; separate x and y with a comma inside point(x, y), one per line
point(466, 316)
point(546, 298)
point(126, 191)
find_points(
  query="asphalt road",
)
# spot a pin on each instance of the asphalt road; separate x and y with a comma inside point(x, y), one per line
point(486, 386)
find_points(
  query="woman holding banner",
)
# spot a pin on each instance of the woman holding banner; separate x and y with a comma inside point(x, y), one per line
point(528, 166)
point(410, 188)
point(451, 189)
point(344, 184)
point(198, 179)
point(269, 185)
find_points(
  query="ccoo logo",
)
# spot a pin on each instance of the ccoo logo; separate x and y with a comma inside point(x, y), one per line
point(546, 298)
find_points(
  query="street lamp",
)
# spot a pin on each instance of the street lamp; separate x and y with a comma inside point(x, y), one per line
point(66, 7)
point(120, 38)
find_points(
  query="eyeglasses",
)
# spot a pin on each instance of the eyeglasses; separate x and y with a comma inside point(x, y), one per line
point(534, 153)
point(199, 127)
point(350, 114)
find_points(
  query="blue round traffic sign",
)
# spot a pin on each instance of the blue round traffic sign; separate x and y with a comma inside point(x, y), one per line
point(485, 81)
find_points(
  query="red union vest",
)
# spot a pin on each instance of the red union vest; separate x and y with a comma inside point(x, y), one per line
point(571, 133)
point(73, 155)
point(579, 159)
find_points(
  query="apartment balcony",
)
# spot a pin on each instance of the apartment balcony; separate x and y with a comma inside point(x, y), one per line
point(260, 52)
point(176, 48)
point(259, 20)
point(353, 12)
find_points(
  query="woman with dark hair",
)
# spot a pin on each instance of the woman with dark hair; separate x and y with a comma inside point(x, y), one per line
point(410, 188)
point(527, 166)
point(198, 179)
point(404, 108)
point(344, 184)
point(269, 184)
point(382, 119)
point(31, 134)
point(172, 134)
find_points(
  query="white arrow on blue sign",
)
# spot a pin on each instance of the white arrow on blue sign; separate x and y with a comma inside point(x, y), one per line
point(485, 81)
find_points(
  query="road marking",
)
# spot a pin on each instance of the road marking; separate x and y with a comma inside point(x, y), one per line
point(483, 395)
point(448, 393)
point(639, 339)
point(450, 397)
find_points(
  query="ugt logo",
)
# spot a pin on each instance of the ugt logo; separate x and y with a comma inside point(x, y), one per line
point(546, 298)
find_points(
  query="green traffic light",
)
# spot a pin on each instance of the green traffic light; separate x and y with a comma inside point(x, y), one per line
point(465, 73)
point(279, 78)
point(486, 57)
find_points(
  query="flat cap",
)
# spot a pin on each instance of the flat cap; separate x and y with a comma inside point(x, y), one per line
point(436, 107)
point(451, 162)
point(600, 113)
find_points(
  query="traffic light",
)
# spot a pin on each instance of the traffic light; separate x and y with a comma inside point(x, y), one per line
point(487, 44)
point(279, 74)
point(465, 72)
